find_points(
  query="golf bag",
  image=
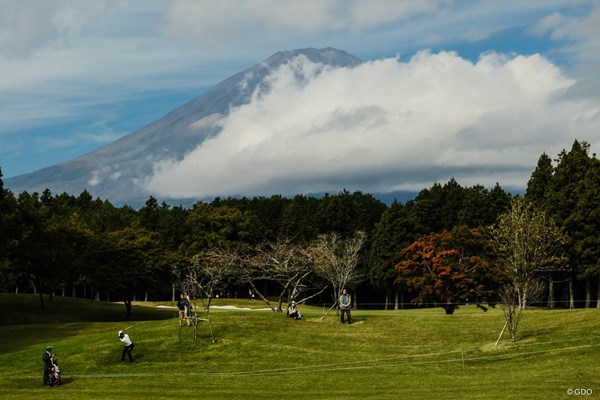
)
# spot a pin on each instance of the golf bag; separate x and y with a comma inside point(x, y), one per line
point(54, 375)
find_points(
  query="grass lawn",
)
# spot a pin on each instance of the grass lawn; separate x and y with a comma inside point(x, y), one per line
point(409, 354)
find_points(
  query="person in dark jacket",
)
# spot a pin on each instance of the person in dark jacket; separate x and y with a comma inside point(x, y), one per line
point(184, 309)
point(48, 359)
point(345, 302)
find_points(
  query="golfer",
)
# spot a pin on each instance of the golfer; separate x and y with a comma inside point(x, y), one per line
point(123, 337)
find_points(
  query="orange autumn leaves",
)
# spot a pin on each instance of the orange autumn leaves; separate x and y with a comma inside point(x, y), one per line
point(448, 268)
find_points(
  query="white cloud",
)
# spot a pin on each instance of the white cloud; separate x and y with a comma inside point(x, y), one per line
point(369, 14)
point(65, 63)
point(386, 125)
point(63, 59)
point(230, 22)
point(580, 36)
point(26, 26)
point(555, 24)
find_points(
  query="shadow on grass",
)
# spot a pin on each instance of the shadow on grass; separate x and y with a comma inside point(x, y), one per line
point(23, 323)
point(24, 309)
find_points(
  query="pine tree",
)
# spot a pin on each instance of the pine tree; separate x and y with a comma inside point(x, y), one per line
point(569, 205)
point(540, 182)
point(394, 232)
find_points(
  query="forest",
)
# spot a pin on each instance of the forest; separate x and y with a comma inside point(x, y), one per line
point(434, 250)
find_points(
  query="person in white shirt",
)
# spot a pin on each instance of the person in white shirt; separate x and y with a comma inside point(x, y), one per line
point(123, 337)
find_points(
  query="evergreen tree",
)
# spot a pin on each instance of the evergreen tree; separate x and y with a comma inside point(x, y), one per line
point(568, 203)
point(585, 223)
point(427, 209)
point(211, 226)
point(269, 212)
point(540, 182)
point(476, 208)
point(499, 201)
point(172, 227)
point(8, 229)
point(347, 213)
point(300, 220)
point(149, 215)
point(394, 232)
point(1, 186)
point(453, 196)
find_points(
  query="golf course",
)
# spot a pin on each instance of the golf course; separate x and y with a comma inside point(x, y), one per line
point(247, 352)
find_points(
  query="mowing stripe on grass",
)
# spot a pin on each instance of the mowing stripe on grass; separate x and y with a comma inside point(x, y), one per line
point(554, 341)
point(345, 366)
point(338, 367)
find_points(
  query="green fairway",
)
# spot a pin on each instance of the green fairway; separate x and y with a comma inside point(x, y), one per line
point(257, 354)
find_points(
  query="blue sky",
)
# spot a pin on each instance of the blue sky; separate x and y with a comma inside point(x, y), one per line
point(78, 74)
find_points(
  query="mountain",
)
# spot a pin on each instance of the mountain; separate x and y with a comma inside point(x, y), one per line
point(113, 171)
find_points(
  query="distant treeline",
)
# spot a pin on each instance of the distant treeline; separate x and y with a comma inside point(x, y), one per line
point(60, 244)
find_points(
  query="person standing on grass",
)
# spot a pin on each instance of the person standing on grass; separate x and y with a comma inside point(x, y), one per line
point(345, 301)
point(48, 359)
point(123, 337)
point(183, 305)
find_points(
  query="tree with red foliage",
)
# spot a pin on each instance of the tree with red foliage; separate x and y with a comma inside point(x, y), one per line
point(447, 268)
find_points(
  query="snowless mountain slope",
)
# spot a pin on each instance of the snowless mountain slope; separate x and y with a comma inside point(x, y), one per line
point(114, 171)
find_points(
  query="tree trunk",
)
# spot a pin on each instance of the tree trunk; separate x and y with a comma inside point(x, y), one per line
point(402, 299)
point(598, 293)
point(263, 298)
point(522, 297)
point(127, 309)
point(355, 300)
point(449, 308)
point(396, 297)
point(571, 294)
point(588, 293)
point(387, 299)
point(551, 293)
point(173, 292)
point(42, 301)
point(208, 302)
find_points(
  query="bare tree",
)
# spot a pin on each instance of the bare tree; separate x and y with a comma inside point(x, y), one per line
point(513, 312)
point(336, 260)
point(290, 266)
point(209, 271)
point(527, 244)
point(509, 301)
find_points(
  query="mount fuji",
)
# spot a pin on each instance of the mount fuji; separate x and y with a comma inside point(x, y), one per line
point(115, 171)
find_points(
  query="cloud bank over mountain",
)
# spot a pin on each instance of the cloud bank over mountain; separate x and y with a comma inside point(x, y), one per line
point(386, 125)
point(92, 94)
